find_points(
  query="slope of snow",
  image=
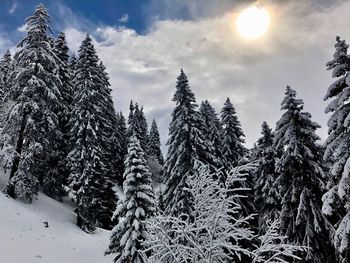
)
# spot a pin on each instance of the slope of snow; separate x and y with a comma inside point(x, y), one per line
point(24, 237)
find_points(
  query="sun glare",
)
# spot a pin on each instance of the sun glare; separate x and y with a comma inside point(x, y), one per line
point(253, 22)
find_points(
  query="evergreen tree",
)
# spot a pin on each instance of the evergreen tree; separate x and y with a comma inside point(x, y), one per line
point(121, 133)
point(154, 143)
point(58, 170)
point(267, 199)
point(128, 235)
point(300, 181)
point(89, 171)
point(155, 159)
point(336, 201)
point(187, 144)
point(138, 125)
point(130, 119)
point(113, 139)
point(265, 141)
point(212, 130)
point(5, 72)
point(32, 130)
point(233, 136)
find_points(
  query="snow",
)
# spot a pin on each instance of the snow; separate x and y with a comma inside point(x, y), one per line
point(24, 237)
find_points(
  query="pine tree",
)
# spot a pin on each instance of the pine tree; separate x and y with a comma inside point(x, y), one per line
point(58, 170)
point(5, 72)
point(187, 144)
point(32, 128)
point(155, 159)
point(266, 192)
point(154, 143)
point(233, 136)
point(128, 235)
point(121, 133)
point(90, 126)
point(300, 181)
point(138, 125)
point(130, 119)
point(336, 201)
point(213, 133)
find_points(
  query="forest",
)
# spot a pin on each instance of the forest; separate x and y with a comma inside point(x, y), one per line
point(210, 199)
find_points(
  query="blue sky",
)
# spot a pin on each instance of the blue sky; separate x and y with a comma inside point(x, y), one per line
point(144, 51)
point(13, 12)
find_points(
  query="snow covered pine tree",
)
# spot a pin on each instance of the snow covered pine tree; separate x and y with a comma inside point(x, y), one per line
point(213, 133)
point(5, 72)
point(266, 192)
point(58, 170)
point(300, 181)
point(138, 125)
point(32, 130)
point(233, 136)
point(129, 234)
point(155, 159)
point(336, 201)
point(187, 144)
point(90, 175)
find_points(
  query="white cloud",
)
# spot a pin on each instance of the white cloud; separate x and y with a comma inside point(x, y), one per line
point(219, 63)
point(124, 18)
point(13, 8)
point(22, 28)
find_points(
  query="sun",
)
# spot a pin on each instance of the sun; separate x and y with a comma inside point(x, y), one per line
point(253, 22)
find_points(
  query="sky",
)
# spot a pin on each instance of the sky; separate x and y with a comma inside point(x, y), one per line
point(145, 43)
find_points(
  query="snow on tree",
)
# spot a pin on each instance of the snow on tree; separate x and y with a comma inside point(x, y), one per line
point(154, 143)
point(138, 125)
point(187, 144)
point(5, 72)
point(336, 201)
point(121, 133)
point(300, 181)
point(213, 132)
point(155, 159)
point(205, 237)
point(217, 222)
point(58, 170)
point(31, 132)
point(128, 235)
point(233, 136)
point(90, 173)
point(273, 247)
point(267, 200)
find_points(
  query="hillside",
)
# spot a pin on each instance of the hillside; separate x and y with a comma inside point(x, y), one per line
point(24, 237)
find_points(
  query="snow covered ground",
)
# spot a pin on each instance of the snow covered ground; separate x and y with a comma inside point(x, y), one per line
point(24, 237)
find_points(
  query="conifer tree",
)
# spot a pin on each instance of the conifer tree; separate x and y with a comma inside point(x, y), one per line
point(138, 125)
point(336, 202)
point(155, 159)
point(187, 144)
point(130, 119)
point(121, 133)
point(32, 130)
point(266, 192)
point(213, 133)
point(89, 171)
point(129, 233)
point(5, 71)
point(154, 143)
point(233, 136)
point(300, 181)
point(58, 171)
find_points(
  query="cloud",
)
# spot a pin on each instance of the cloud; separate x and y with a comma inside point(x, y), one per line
point(13, 8)
point(124, 18)
point(219, 63)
